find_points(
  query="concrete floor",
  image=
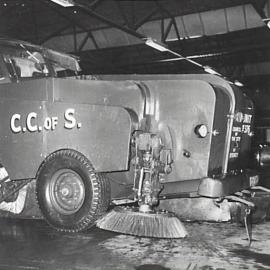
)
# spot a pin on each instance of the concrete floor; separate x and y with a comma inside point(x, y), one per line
point(31, 244)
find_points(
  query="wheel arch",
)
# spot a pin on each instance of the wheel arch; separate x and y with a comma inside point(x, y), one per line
point(44, 160)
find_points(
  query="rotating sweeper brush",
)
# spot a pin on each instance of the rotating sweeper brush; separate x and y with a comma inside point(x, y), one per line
point(151, 162)
point(126, 220)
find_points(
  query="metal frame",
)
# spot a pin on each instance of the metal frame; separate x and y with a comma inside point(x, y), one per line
point(73, 25)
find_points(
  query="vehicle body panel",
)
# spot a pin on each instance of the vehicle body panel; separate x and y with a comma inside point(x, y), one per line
point(34, 127)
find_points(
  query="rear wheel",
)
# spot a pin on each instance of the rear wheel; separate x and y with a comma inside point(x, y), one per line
point(71, 196)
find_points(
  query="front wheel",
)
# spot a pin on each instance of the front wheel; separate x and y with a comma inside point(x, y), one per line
point(70, 195)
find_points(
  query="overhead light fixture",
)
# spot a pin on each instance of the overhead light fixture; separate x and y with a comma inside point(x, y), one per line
point(64, 3)
point(154, 44)
point(267, 22)
point(237, 83)
point(210, 70)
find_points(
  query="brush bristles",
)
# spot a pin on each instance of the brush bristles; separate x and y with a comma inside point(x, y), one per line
point(126, 221)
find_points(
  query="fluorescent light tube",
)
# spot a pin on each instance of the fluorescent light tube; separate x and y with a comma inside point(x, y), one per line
point(210, 70)
point(152, 43)
point(64, 3)
point(237, 83)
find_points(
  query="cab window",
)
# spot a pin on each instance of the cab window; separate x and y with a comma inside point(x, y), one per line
point(25, 64)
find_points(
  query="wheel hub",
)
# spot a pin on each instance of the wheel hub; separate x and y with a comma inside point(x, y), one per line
point(67, 191)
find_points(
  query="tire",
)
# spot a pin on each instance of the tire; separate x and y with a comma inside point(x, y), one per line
point(70, 195)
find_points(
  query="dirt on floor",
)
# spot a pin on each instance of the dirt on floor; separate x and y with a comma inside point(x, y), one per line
point(31, 244)
point(208, 246)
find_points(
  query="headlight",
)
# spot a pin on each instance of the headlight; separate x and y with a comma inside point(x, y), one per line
point(201, 131)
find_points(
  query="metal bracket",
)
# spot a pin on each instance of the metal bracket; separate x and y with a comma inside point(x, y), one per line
point(241, 200)
point(248, 225)
point(261, 188)
point(15, 187)
point(123, 201)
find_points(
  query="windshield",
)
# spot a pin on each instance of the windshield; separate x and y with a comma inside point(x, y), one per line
point(63, 64)
point(24, 61)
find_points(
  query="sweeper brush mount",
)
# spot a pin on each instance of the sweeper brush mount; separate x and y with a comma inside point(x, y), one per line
point(150, 168)
point(127, 220)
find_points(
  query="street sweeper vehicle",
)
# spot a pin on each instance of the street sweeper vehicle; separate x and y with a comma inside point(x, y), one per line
point(91, 144)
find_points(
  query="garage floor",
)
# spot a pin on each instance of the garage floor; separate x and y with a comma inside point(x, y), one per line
point(31, 244)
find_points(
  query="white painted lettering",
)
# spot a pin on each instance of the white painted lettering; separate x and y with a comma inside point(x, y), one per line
point(47, 123)
point(30, 117)
point(54, 122)
point(15, 117)
point(247, 118)
point(70, 119)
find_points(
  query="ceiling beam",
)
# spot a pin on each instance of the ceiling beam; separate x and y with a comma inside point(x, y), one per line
point(95, 3)
point(125, 18)
point(111, 23)
point(259, 7)
point(74, 22)
point(146, 18)
point(84, 41)
point(54, 34)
